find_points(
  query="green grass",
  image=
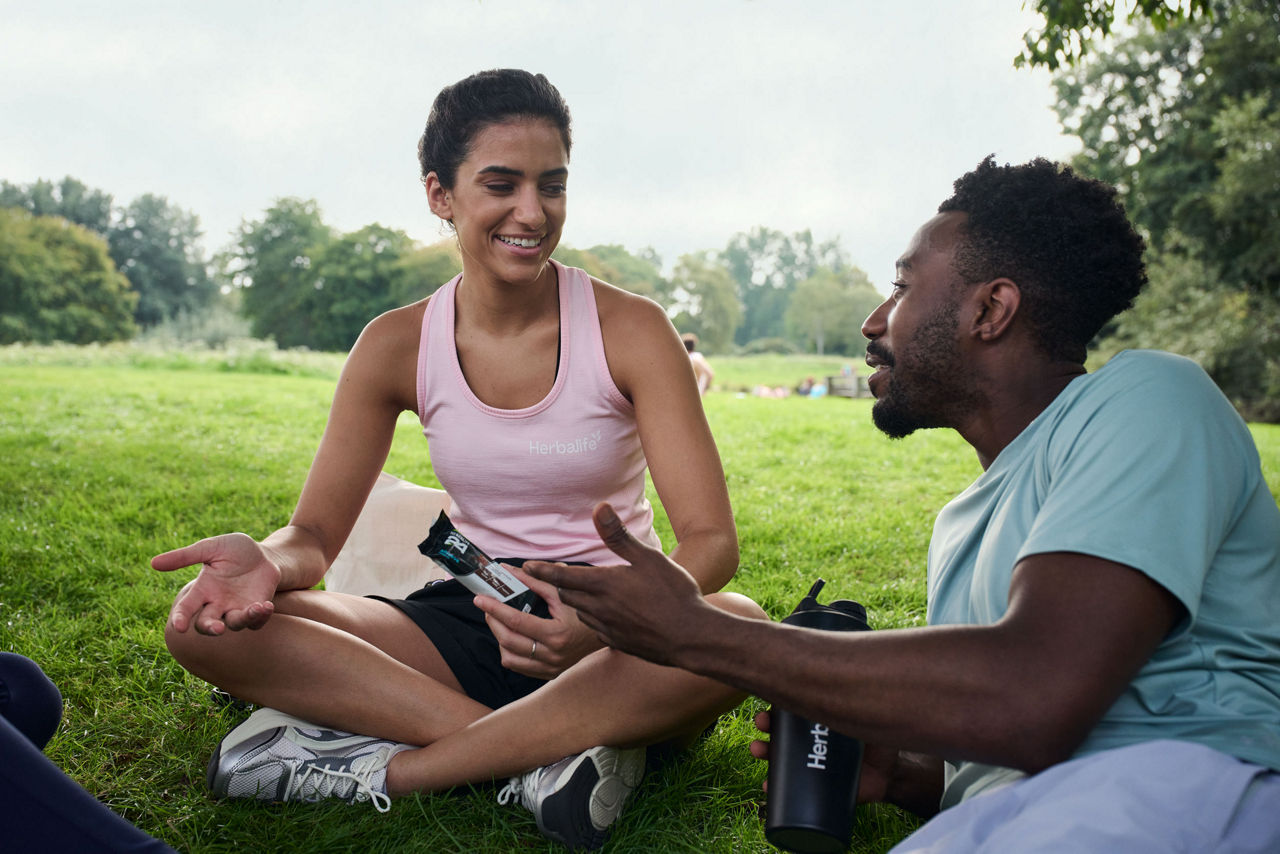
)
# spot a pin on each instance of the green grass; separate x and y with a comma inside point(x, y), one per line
point(106, 459)
point(245, 355)
point(743, 373)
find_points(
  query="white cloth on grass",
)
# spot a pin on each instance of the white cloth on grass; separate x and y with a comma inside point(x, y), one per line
point(381, 554)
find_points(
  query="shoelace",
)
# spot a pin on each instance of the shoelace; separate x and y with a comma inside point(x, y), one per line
point(321, 781)
point(523, 787)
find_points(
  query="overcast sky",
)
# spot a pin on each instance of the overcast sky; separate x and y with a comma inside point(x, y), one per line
point(693, 119)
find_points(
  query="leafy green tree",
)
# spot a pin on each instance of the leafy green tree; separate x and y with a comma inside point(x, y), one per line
point(424, 269)
point(641, 274)
point(57, 283)
point(765, 266)
point(1245, 198)
point(1232, 334)
point(1168, 117)
point(157, 246)
point(827, 310)
point(1186, 122)
point(272, 263)
point(706, 302)
point(69, 199)
point(1070, 27)
point(358, 277)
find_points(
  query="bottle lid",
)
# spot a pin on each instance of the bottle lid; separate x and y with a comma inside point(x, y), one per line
point(837, 614)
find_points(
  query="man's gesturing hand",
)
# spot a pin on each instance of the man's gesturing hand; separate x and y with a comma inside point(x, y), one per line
point(646, 608)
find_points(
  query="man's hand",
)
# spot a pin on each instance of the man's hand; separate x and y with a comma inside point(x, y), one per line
point(233, 590)
point(645, 608)
point(536, 646)
point(879, 765)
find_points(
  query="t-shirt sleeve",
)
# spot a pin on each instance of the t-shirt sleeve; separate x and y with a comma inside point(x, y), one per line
point(1148, 473)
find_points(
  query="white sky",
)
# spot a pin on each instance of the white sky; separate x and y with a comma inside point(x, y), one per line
point(693, 119)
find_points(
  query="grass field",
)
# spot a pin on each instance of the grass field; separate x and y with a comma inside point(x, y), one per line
point(108, 456)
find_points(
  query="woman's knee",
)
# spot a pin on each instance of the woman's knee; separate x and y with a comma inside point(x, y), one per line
point(185, 647)
point(736, 603)
point(191, 643)
point(198, 653)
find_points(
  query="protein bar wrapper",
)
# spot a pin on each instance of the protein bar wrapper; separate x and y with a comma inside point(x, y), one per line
point(465, 561)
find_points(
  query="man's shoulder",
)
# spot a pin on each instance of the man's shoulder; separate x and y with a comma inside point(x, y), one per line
point(1147, 377)
point(1151, 361)
point(1141, 394)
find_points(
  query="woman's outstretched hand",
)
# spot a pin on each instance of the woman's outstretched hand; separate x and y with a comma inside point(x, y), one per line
point(234, 589)
point(644, 607)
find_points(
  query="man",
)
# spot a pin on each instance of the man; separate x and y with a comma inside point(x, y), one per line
point(1102, 660)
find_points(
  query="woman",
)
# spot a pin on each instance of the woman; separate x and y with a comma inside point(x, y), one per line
point(542, 392)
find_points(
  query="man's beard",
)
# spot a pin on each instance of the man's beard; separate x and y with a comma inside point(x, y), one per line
point(927, 386)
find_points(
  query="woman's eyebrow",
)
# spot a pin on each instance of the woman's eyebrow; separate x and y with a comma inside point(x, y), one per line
point(519, 173)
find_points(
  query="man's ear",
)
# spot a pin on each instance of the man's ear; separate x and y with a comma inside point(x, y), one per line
point(998, 302)
point(439, 199)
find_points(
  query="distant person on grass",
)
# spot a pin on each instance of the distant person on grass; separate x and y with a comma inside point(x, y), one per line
point(516, 351)
point(1101, 668)
point(702, 371)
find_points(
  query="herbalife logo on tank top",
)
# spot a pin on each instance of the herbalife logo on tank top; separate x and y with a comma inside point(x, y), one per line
point(581, 445)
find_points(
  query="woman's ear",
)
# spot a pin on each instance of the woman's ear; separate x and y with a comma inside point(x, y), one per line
point(998, 303)
point(439, 199)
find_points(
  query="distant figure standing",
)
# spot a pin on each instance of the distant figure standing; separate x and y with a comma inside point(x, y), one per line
point(701, 367)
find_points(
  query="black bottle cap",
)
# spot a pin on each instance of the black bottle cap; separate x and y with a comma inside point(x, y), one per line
point(838, 614)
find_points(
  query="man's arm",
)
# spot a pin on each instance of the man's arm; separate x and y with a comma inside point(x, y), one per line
point(1022, 692)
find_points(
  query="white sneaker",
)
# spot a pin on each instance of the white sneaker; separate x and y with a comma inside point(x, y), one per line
point(577, 800)
point(272, 756)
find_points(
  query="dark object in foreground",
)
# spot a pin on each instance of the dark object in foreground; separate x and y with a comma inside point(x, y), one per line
point(813, 771)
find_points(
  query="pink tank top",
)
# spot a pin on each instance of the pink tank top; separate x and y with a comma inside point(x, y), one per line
point(523, 482)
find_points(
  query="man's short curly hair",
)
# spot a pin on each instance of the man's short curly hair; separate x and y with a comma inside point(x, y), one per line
point(1064, 239)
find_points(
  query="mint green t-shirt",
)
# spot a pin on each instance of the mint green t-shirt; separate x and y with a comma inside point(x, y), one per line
point(1144, 463)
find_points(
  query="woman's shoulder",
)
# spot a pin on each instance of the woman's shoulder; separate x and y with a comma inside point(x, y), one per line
point(380, 373)
point(640, 343)
point(618, 306)
point(396, 327)
point(388, 346)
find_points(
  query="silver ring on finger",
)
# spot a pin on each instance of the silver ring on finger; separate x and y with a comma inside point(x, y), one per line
point(533, 653)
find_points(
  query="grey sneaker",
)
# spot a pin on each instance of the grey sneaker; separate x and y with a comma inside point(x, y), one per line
point(272, 756)
point(577, 800)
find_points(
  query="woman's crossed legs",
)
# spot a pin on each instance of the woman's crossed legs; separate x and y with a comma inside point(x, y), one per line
point(361, 665)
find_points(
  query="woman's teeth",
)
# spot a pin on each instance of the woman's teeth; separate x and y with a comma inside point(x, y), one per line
point(525, 242)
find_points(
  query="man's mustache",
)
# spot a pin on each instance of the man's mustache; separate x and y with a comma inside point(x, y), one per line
point(880, 352)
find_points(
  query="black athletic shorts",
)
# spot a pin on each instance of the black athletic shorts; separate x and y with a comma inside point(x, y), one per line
point(446, 613)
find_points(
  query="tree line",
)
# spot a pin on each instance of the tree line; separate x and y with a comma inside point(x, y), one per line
point(75, 267)
point(301, 283)
point(1182, 115)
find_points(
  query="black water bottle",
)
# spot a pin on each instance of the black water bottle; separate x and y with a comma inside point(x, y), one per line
point(813, 771)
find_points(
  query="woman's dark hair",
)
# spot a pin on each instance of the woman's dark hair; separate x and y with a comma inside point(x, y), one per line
point(464, 109)
point(1064, 239)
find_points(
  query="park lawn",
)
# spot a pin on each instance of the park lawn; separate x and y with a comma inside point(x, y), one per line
point(104, 463)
